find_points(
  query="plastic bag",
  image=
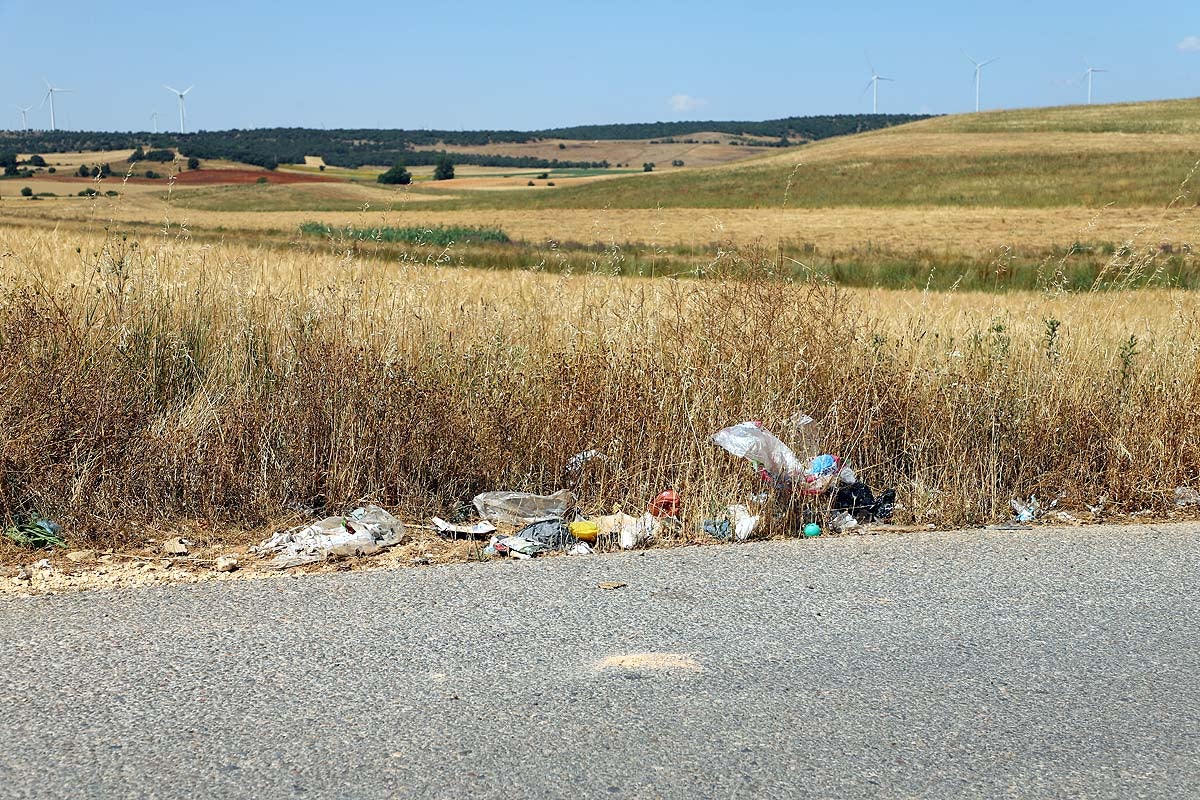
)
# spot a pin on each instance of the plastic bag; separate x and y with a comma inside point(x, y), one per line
point(770, 455)
point(521, 508)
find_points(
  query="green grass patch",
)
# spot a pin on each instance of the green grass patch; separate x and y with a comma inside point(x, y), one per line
point(441, 236)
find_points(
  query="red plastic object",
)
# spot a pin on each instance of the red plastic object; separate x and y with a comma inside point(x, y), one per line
point(667, 504)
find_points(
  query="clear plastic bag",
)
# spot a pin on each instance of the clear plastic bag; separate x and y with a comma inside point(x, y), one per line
point(521, 508)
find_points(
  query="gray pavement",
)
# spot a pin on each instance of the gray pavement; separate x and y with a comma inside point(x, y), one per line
point(1054, 663)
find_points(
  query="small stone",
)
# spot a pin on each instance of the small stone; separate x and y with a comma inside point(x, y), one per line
point(175, 547)
point(81, 556)
point(226, 564)
point(23, 576)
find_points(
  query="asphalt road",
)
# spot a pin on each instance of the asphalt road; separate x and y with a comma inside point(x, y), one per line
point(1056, 663)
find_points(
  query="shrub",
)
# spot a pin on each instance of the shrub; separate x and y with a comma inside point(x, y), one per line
point(543, 176)
point(26, 191)
point(52, 170)
point(152, 174)
point(444, 169)
point(88, 192)
point(37, 161)
point(531, 183)
point(396, 175)
point(193, 163)
point(111, 193)
point(648, 166)
point(263, 179)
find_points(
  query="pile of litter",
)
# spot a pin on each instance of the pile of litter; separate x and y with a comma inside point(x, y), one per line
point(362, 532)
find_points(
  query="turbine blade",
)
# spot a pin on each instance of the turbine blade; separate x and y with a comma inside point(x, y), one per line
point(989, 61)
point(881, 78)
point(188, 89)
point(171, 89)
point(44, 99)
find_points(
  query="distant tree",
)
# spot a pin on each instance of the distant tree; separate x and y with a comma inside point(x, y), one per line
point(52, 170)
point(8, 160)
point(263, 179)
point(397, 174)
point(444, 169)
point(152, 174)
point(83, 172)
point(37, 161)
point(193, 163)
point(321, 168)
point(543, 175)
point(648, 166)
point(137, 155)
point(531, 183)
point(26, 191)
point(677, 162)
point(549, 183)
point(562, 146)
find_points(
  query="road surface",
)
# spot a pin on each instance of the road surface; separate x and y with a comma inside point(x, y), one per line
point(1054, 663)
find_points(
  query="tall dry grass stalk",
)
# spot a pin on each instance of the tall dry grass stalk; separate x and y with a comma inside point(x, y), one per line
point(149, 381)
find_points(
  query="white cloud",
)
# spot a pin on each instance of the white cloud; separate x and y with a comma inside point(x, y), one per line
point(1190, 44)
point(685, 102)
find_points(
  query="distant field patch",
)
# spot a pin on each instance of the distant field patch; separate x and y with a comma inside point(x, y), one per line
point(441, 236)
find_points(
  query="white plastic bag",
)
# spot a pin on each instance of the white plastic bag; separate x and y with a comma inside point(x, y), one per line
point(749, 440)
point(521, 508)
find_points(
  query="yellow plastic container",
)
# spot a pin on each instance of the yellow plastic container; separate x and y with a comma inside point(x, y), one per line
point(585, 530)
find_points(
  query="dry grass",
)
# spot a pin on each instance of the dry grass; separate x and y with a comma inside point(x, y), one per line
point(157, 380)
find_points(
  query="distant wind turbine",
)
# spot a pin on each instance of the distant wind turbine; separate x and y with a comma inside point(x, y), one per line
point(179, 94)
point(1088, 75)
point(24, 116)
point(873, 85)
point(50, 92)
point(154, 118)
point(979, 65)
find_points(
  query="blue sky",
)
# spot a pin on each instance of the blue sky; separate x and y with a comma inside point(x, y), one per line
point(542, 64)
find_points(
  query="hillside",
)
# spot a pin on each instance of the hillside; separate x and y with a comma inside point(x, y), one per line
point(269, 147)
point(1135, 154)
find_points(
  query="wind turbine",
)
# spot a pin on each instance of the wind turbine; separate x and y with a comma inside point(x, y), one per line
point(182, 125)
point(154, 118)
point(50, 90)
point(24, 117)
point(873, 85)
point(1088, 75)
point(979, 65)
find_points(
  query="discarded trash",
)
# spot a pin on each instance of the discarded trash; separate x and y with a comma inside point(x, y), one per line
point(37, 533)
point(551, 534)
point(847, 476)
point(520, 508)
point(630, 531)
point(857, 499)
point(1186, 496)
point(812, 529)
point(1026, 512)
point(743, 521)
point(225, 564)
point(610, 585)
point(577, 462)
point(478, 529)
point(667, 504)
point(520, 546)
point(363, 531)
point(774, 460)
point(175, 547)
point(717, 528)
point(584, 530)
point(580, 549)
point(842, 521)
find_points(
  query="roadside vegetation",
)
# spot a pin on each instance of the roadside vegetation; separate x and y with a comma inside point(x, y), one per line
point(154, 380)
